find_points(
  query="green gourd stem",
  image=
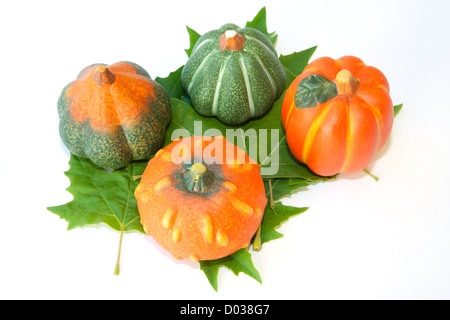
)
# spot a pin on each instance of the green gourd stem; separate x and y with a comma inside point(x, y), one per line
point(117, 268)
point(198, 178)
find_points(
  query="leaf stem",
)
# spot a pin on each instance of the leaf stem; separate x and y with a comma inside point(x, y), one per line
point(371, 175)
point(271, 202)
point(117, 268)
point(257, 241)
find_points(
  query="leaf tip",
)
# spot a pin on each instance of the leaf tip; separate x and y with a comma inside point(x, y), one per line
point(397, 109)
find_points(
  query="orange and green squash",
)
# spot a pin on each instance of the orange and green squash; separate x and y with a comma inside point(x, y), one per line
point(198, 204)
point(113, 114)
point(337, 114)
point(234, 74)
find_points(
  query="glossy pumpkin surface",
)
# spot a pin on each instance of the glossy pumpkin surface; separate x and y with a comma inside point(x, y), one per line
point(234, 74)
point(337, 114)
point(199, 204)
point(113, 114)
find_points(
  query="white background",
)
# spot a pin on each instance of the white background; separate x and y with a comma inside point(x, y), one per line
point(360, 239)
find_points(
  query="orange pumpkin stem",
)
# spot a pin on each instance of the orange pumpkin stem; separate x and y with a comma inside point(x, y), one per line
point(231, 40)
point(103, 76)
point(346, 84)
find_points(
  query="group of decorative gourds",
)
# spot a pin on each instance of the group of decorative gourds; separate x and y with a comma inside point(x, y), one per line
point(336, 115)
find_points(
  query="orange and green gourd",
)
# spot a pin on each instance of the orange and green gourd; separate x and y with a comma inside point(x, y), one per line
point(337, 114)
point(233, 74)
point(199, 204)
point(113, 114)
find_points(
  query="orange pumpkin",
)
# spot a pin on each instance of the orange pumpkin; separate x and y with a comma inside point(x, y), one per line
point(337, 114)
point(198, 203)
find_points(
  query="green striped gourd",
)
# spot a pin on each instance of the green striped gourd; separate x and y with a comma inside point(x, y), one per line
point(234, 74)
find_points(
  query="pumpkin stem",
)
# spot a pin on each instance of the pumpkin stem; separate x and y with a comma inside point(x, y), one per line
point(231, 40)
point(346, 83)
point(198, 178)
point(103, 76)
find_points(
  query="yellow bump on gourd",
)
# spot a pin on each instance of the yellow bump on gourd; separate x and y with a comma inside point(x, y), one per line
point(145, 228)
point(145, 195)
point(184, 151)
point(247, 167)
point(162, 184)
point(241, 206)
point(166, 156)
point(176, 234)
point(258, 211)
point(222, 238)
point(234, 164)
point(230, 186)
point(138, 189)
point(160, 152)
point(193, 257)
point(169, 218)
point(207, 229)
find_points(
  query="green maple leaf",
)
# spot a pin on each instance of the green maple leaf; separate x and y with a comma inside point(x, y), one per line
point(274, 217)
point(172, 83)
point(240, 261)
point(101, 196)
point(193, 37)
point(276, 189)
point(295, 62)
point(397, 109)
point(260, 23)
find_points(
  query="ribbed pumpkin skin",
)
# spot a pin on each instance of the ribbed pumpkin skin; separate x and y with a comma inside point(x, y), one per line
point(342, 134)
point(116, 123)
point(201, 225)
point(233, 85)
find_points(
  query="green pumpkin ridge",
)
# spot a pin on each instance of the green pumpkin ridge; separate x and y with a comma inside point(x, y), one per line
point(107, 148)
point(72, 135)
point(64, 102)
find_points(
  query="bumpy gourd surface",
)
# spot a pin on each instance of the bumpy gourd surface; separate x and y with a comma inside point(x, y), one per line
point(233, 85)
point(114, 123)
point(201, 208)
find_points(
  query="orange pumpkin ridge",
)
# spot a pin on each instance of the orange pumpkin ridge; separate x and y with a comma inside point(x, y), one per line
point(109, 102)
